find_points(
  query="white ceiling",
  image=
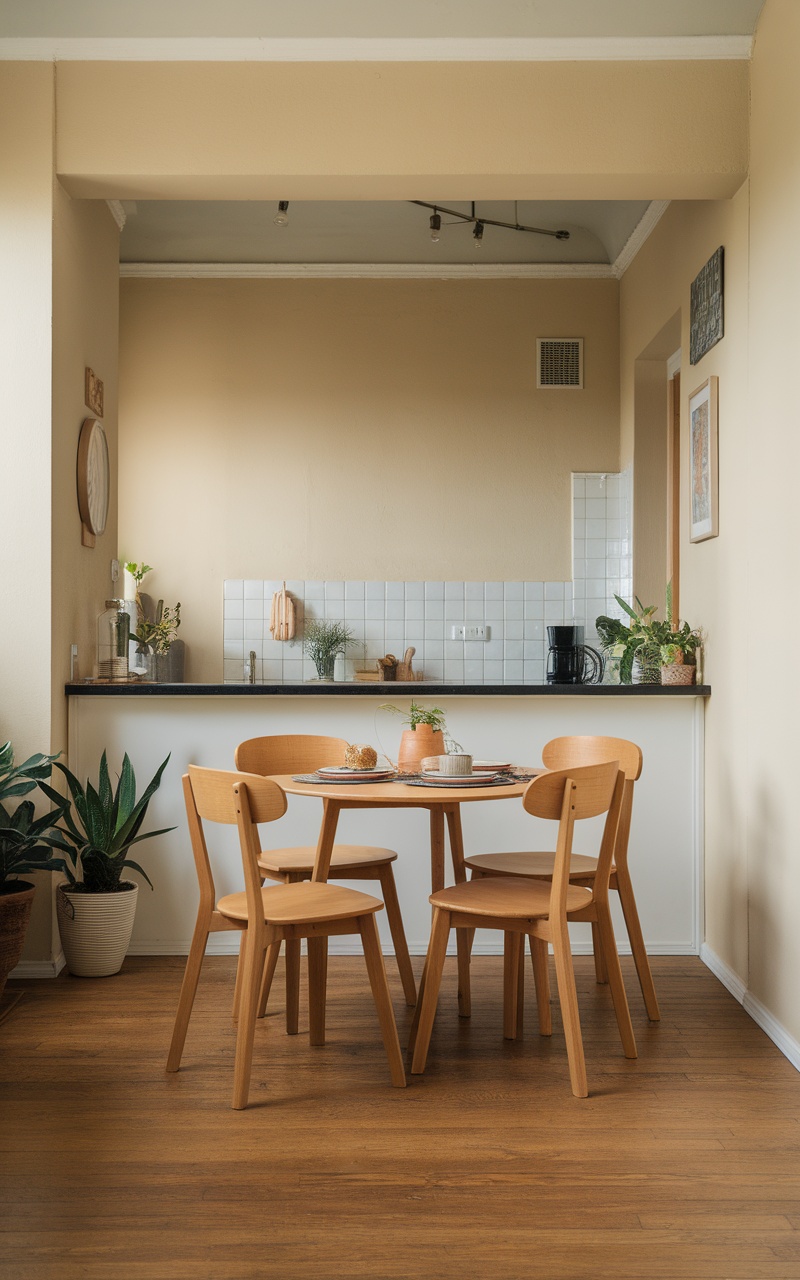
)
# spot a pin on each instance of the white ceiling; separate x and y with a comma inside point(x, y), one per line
point(372, 232)
point(387, 19)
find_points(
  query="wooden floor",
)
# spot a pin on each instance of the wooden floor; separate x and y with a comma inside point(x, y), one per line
point(683, 1165)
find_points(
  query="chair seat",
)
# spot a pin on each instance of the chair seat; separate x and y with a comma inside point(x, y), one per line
point(301, 859)
point(303, 903)
point(529, 864)
point(507, 897)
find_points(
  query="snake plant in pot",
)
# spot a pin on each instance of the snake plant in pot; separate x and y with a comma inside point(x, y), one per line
point(96, 907)
point(26, 845)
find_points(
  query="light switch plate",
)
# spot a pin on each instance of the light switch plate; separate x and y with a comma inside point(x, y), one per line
point(115, 570)
point(469, 631)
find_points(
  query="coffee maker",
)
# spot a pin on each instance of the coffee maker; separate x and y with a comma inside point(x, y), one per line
point(569, 660)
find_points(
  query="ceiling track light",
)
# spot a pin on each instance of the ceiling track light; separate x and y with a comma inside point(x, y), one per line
point(281, 218)
point(436, 226)
point(487, 222)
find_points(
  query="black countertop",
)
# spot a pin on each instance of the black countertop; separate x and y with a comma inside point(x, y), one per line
point(387, 690)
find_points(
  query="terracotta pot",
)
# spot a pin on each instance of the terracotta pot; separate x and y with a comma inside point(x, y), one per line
point(15, 912)
point(417, 743)
point(95, 929)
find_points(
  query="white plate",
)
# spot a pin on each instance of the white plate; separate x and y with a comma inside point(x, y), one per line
point(458, 777)
point(496, 765)
point(341, 771)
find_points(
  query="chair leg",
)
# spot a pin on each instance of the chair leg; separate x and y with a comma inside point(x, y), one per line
point(237, 988)
point(632, 924)
point(383, 1001)
point(255, 957)
point(464, 937)
point(512, 983)
point(437, 949)
point(541, 981)
point(412, 1035)
point(191, 976)
point(568, 999)
point(600, 971)
point(273, 951)
point(317, 988)
point(291, 953)
point(618, 995)
point(395, 919)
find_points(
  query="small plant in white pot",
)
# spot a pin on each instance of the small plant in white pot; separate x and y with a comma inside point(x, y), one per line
point(96, 907)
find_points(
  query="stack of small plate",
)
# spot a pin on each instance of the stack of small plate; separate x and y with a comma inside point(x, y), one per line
point(340, 773)
point(460, 780)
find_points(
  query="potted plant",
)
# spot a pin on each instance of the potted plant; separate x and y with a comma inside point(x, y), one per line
point(155, 639)
point(424, 736)
point(640, 645)
point(99, 826)
point(323, 641)
point(26, 845)
point(678, 657)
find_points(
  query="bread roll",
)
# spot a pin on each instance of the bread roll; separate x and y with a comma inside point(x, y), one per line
point(358, 756)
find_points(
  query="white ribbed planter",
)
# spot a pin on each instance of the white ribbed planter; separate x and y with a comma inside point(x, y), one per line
point(95, 929)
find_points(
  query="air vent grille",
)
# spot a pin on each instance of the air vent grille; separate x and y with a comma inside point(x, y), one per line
point(559, 362)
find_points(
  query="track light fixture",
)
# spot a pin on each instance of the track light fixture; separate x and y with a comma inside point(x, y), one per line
point(482, 222)
point(281, 218)
point(436, 227)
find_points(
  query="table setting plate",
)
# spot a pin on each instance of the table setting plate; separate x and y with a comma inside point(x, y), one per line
point(490, 766)
point(458, 779)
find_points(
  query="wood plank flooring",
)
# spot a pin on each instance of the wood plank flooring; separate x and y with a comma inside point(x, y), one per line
point(682, 1165)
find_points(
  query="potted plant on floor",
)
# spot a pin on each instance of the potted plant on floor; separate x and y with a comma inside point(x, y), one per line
point(26, 845)
point(99, 826)
point(323, 641)
point(424, 736)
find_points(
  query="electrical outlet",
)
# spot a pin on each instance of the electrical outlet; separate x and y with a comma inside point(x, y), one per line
point(73, 662)
point(469, 631)
point(115, 570)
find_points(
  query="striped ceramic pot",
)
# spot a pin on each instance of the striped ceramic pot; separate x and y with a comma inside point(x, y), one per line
point(95, 929)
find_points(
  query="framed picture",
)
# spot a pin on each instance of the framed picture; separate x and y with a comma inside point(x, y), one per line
point(706, 315)
point(703, 461)
point(93, 393)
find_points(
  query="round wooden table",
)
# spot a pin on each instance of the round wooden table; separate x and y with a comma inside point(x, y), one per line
point(441, 802)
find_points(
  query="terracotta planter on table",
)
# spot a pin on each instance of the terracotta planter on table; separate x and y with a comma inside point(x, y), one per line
point(416, 744)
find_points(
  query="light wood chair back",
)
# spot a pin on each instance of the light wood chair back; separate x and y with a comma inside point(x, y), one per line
point(289, 753)
point(209, 794)
point(582, 749)
point(569, 796)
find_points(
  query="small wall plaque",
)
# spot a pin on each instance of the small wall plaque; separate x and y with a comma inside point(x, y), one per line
point(706, 311)
point(94, 393)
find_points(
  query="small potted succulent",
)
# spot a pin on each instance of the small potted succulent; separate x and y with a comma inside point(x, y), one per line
point(97, 830)
point(323, 641)
point(425, 735)
point(26, 845)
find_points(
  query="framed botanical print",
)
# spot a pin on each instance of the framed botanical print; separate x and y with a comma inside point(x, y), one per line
point(704, 461)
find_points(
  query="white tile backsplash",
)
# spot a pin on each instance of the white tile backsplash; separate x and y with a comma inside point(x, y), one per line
point(390, 616)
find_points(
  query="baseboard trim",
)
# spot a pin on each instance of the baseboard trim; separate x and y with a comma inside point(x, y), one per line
point(27, 969)
point(769, 1024)
point(227, 944)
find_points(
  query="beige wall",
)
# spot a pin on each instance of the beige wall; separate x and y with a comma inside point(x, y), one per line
point(392, 131)
point(353, 429)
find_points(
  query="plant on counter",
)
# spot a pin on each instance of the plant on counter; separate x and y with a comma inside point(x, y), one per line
point(97, 830)
point(323, 641)
point(138, 572)
point(26, 845)
point(434, 716)
point(157, 637)
point(644, 639)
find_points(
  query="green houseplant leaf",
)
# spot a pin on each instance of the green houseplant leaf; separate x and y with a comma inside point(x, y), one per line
point(26, 842)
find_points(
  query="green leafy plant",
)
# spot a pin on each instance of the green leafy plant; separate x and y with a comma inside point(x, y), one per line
point(323, 639)
point(101, 824)
point(26, 842)
point(644, 637)
point(434, 716)
point(138, 571)
point(159, 635)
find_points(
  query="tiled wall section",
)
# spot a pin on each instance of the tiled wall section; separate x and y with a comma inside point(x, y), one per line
point(387, 617)
point(602, 550)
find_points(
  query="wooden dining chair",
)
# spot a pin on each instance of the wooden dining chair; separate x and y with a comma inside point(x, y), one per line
point(304, 753)
point(266, 917)
point(563, 753)
point(542, 911)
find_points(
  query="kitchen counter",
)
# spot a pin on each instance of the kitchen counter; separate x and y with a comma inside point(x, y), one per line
point(386, 690)
point(203, 724)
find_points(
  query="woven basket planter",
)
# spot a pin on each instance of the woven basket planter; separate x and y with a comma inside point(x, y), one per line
point(15, 912)
point(680, 673)
point(95, 929)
